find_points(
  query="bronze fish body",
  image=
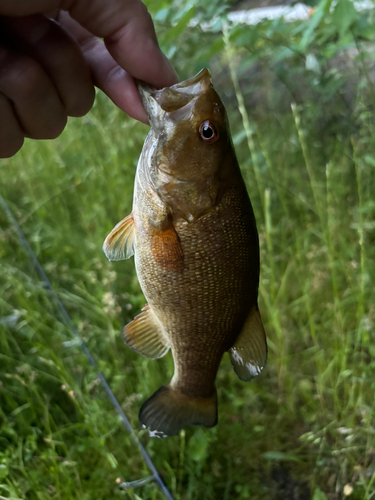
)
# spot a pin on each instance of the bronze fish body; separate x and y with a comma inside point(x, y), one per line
point(193, 234)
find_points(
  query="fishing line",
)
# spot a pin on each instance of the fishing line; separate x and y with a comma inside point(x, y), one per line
point(92, 362)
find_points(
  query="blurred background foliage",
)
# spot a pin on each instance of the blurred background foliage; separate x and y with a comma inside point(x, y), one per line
point(300, 100)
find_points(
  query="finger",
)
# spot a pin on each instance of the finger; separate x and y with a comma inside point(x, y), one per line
point(107, 74)
point(27, 7)
point(37, 105)
point(125, 25)
point(135, 48)
point(114, 80)
point(11, 134)
point(61, 58)
point(129, 34)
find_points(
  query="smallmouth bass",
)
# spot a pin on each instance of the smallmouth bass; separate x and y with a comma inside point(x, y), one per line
point(192, 232)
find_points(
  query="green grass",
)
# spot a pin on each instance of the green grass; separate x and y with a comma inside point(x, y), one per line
point(305, 428)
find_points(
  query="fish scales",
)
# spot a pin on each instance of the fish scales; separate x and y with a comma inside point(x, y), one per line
point(194, 237)
point(210, 315)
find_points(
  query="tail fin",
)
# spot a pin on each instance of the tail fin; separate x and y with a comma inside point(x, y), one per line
point(168, 411)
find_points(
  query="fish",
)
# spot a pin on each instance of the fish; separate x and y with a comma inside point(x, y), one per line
point(193, 235)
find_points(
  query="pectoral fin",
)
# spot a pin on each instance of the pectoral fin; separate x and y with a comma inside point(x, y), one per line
point(166, 247)
point(144, 335)
point(249, 353)
point(119, 244)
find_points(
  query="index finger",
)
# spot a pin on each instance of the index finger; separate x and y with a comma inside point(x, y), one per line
point(125, 25)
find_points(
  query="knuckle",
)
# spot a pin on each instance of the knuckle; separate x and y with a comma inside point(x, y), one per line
point(82, 103)
point(8, 147)
point(27, 77)
point(11, 134)
point(55, 128)
point(66, 54)
point(20, 73)
point(143, 9)
point(47, 126)
point(145, 16)
point(89, 44)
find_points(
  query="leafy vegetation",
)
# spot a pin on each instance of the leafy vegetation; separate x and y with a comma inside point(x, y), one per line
point(300, 100)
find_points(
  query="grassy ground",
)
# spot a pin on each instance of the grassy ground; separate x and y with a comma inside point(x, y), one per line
point(305, 428)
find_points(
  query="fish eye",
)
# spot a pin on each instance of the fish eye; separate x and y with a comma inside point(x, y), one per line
point(208, 132)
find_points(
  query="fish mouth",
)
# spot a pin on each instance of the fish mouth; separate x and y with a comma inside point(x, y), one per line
point(176, 100)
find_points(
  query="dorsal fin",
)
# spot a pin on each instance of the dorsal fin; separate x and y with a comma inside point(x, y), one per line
point(119, 244)
point(248, 355)
point(145, 335)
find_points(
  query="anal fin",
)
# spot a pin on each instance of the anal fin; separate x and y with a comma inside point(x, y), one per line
point(248, 355)
point(119, 244)
point(144, 335)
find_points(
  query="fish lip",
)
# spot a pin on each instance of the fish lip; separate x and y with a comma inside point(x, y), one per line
point(195, 85)
point(154, 112)
point(172, 100)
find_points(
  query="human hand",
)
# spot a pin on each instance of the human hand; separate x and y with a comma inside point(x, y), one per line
point(48, 67)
